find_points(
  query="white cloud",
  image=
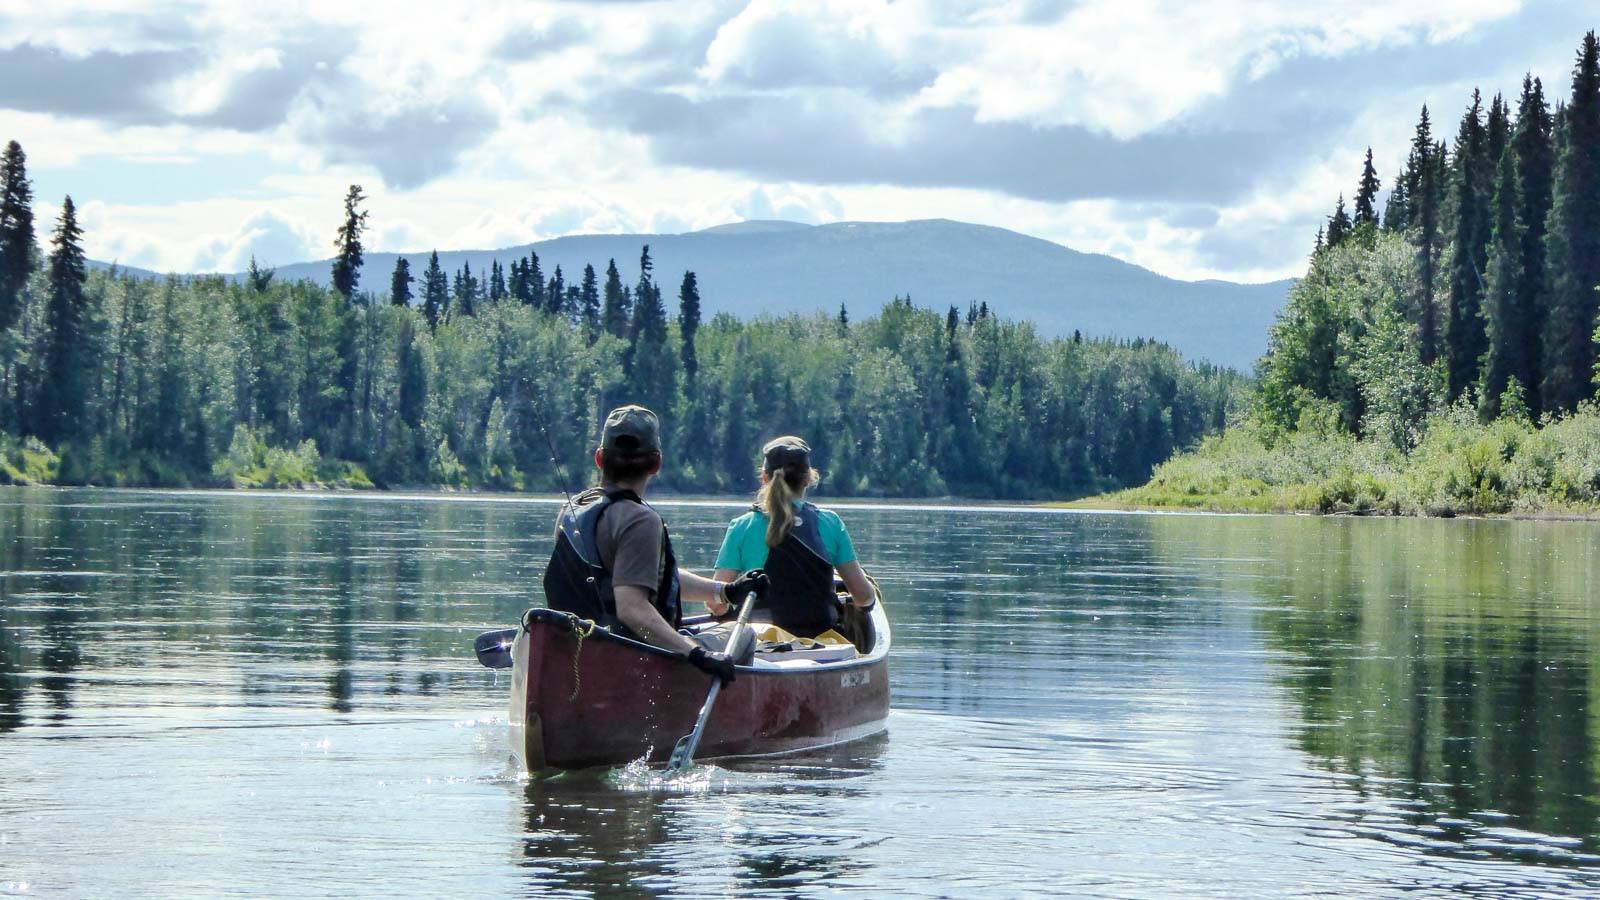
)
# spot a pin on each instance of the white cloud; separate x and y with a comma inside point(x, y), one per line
point(1129, 66)
point(461, 143)
point(798, 44)
point(267, 237)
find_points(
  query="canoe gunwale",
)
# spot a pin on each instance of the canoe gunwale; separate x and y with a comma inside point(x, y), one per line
point(880, 646)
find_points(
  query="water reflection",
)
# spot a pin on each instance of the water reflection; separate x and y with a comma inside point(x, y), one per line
point(1112, 704)
point(1447, 665)
point(743, 827)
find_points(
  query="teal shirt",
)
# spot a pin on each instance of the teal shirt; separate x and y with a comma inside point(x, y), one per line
point(744, 547)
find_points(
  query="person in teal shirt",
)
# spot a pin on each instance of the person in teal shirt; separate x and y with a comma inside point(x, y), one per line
point(799, 545)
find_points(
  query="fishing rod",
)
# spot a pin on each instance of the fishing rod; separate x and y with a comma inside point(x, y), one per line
point(555, 457)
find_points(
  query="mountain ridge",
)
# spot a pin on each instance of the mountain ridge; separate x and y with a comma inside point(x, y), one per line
point(774, 267)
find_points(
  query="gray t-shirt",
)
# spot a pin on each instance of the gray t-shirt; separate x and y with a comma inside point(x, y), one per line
point(630, 539)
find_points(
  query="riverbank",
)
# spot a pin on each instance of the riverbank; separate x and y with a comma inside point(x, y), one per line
point(1460, 467)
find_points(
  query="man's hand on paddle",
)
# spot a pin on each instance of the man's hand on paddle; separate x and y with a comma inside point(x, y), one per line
point(740, 588)
point(713, 663)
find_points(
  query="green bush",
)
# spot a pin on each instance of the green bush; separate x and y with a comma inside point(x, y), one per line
point(252, 463)
point(1459, 466)
point(27, 461)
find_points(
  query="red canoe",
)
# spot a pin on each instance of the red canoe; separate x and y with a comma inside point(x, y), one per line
point(603, 700)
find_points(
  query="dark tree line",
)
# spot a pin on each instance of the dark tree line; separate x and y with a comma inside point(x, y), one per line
point(468, 378)
point(1499, 300)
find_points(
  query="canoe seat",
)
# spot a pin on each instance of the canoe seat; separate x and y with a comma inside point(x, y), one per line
point(822, 654)
point(774, 644)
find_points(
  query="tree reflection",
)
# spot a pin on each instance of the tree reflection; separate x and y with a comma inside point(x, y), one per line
point(1454, 657)
point(608, 832)
point(13, 684)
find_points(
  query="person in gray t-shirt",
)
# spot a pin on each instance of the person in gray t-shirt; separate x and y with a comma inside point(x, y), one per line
point(638, 589)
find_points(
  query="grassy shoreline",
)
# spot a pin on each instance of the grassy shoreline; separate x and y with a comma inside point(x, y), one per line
point(1509, 467)
point(1115, 502)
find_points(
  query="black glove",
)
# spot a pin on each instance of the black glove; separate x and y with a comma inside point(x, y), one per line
point(740, 588)
point(715, 664)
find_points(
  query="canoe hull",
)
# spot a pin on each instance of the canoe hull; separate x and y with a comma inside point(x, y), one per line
point(603, 700)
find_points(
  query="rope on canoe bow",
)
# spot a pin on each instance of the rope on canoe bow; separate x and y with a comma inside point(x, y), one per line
point(582, 628)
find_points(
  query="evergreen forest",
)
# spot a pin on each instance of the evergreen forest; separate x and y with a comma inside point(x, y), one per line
point(498, 379)
point(1441, 356)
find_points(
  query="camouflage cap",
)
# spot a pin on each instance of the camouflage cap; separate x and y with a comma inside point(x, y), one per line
point(631, 429)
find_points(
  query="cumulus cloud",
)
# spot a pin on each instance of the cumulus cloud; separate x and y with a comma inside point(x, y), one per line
point(526, 43)
point(800, 139)
point(409, 144)
point(800, 44)
point(1196, 138)
point(812, 207)
point(267, 237)
point(122, 87)
point(255, 91)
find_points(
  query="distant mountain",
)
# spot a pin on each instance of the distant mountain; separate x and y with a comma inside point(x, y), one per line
point(756, 267)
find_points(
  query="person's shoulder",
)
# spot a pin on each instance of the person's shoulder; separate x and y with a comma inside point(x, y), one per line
point(628, 512)
point(744, 521)
point(824, 514)
point(585, 498)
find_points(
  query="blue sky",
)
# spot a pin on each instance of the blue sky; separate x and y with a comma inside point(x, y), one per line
point(1200, 139)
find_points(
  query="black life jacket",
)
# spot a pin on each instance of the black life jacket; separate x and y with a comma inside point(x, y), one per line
point(801, 597)
point(576, 581)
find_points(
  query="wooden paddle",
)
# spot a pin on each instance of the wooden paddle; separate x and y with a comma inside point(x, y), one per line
point(683, 752)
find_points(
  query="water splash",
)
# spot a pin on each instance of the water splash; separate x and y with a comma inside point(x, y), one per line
point(639, 775)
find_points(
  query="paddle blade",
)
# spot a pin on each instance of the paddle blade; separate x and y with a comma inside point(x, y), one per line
point(494, 648)
point(682, 754)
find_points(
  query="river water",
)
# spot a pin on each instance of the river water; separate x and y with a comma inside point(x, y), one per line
point(213, 693)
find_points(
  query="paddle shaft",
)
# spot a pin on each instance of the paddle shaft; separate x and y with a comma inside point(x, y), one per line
point(683, 752)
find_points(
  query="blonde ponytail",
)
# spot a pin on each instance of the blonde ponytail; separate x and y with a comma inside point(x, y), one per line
point(777, 498)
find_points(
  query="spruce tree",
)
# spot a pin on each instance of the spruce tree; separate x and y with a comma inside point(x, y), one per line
point(497, 281)
point(257, 278)
point(535, 276)
point(648, 361)
point(517, 283)
point(413, 377)
point(645, 299)
point(400, 282)
point(1497, 133)
point(616, 313)
point(589, 304)
point(64, 395)
point(1338, 225)
point(1505, 321)
point(844, 320)
point(1425, 171)
point(466, 291)
point(1470, 180)
point(347, 262)
point(1573, 243)
point(1367, 194)
point(1394, 209)
point(555, 292)
point(689, 323)
point(1533, 145)
point(435, 293)
point(17, 247)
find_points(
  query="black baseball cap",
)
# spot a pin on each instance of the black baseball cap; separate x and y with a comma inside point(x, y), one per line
point(630, 430)
point(786, 451)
